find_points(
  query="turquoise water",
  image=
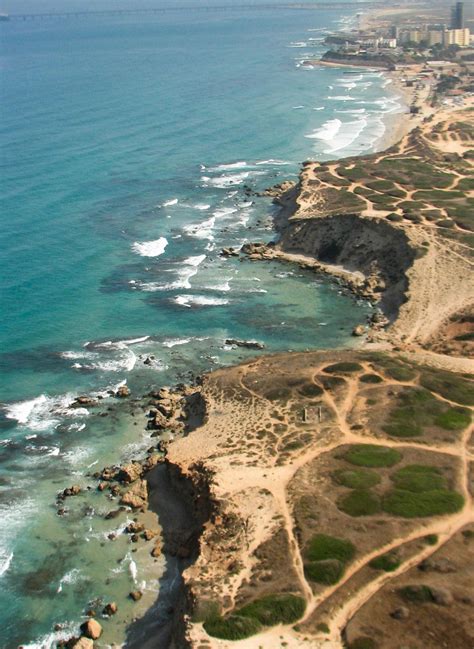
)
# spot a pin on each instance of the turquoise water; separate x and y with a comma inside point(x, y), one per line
point(127, 144)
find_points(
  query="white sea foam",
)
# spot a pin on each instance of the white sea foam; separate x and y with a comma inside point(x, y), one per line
point(224, 286)
point(298, 44)
point(173, 201)
point(328, 130)
point(133, 341)
point(188, 268)
point(199, 300)
point(241, 164)
point(203, 230)
point(319, 107)
point(5, 561)
point(201, 206)
point(43, 412)
point(342, 98)
point(150, 248)
point(68, 630)
point(271, 161)
point(173, 342)
point(195, 260)
point(226, 180)
point(71, 577)
point(123, 357)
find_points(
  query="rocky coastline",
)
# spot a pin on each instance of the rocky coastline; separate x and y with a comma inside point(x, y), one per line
point(379, 259)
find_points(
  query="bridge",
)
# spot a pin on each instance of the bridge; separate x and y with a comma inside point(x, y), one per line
point(312, 6)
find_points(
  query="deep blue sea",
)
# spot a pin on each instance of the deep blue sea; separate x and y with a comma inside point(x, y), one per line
point(126, 147)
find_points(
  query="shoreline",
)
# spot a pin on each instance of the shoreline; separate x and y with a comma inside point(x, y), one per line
point(396, 127)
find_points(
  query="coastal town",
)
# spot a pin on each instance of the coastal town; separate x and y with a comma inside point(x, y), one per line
point(429, 54)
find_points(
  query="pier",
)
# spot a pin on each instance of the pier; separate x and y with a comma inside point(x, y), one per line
point(309, 6)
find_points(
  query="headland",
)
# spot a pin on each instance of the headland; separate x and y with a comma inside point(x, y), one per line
point(326, 497)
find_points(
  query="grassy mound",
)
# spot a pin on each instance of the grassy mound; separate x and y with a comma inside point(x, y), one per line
point(343, 368)
point(370, 455)
point(416, 593)
point(357, 478)
point(456, 418)
point(387, 562)
point(418, 408)
point(450, 386)
point(275, 609)
point(364, 642)
point(409, 504)
point(327, 556)
point(371, 378)
point(360, 502)
point(396, 369)
point(323, 546)
point(418, 478)
point(249, 620)
point(413, 411)
point(232, 627)
point(310, 390)
point(327, 572)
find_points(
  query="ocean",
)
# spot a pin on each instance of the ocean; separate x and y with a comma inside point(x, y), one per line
point(132, 150)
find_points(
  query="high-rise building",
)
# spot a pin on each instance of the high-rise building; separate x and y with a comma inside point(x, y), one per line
point(460, 37)
point(457, 16)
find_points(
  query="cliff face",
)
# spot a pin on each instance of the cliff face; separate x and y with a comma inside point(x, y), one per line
point(274, 477)
point(370, 246)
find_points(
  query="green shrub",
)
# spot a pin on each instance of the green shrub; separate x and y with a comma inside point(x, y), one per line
point(275, 609)
point(343, 368)
point(465, 337)
point(387, 562)
point(371, 378)
point(363, 642)
point(413, 411)
point(454, 419)
point(232, 627)
point(418, 478)
point(327, 571)
point(322, 546)
point(394, 217)
point(409, 504)
point(360, 502)
point(431, 539)
point(357, 478)
point(323, 627)
point(331, 382)
point(416, 593)
point(398, 371)
point(310, 390)
point(450, 386)
point(370, 455)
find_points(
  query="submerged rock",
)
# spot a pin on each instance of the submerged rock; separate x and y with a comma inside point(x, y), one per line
point(71, 491)
point(83, 643)
point(91, 629)
point(136, 595)
point(130, 472)
point(122, 392)
point(137, 496)
point(110, 609)
point(83, 402)
point(248, 344)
